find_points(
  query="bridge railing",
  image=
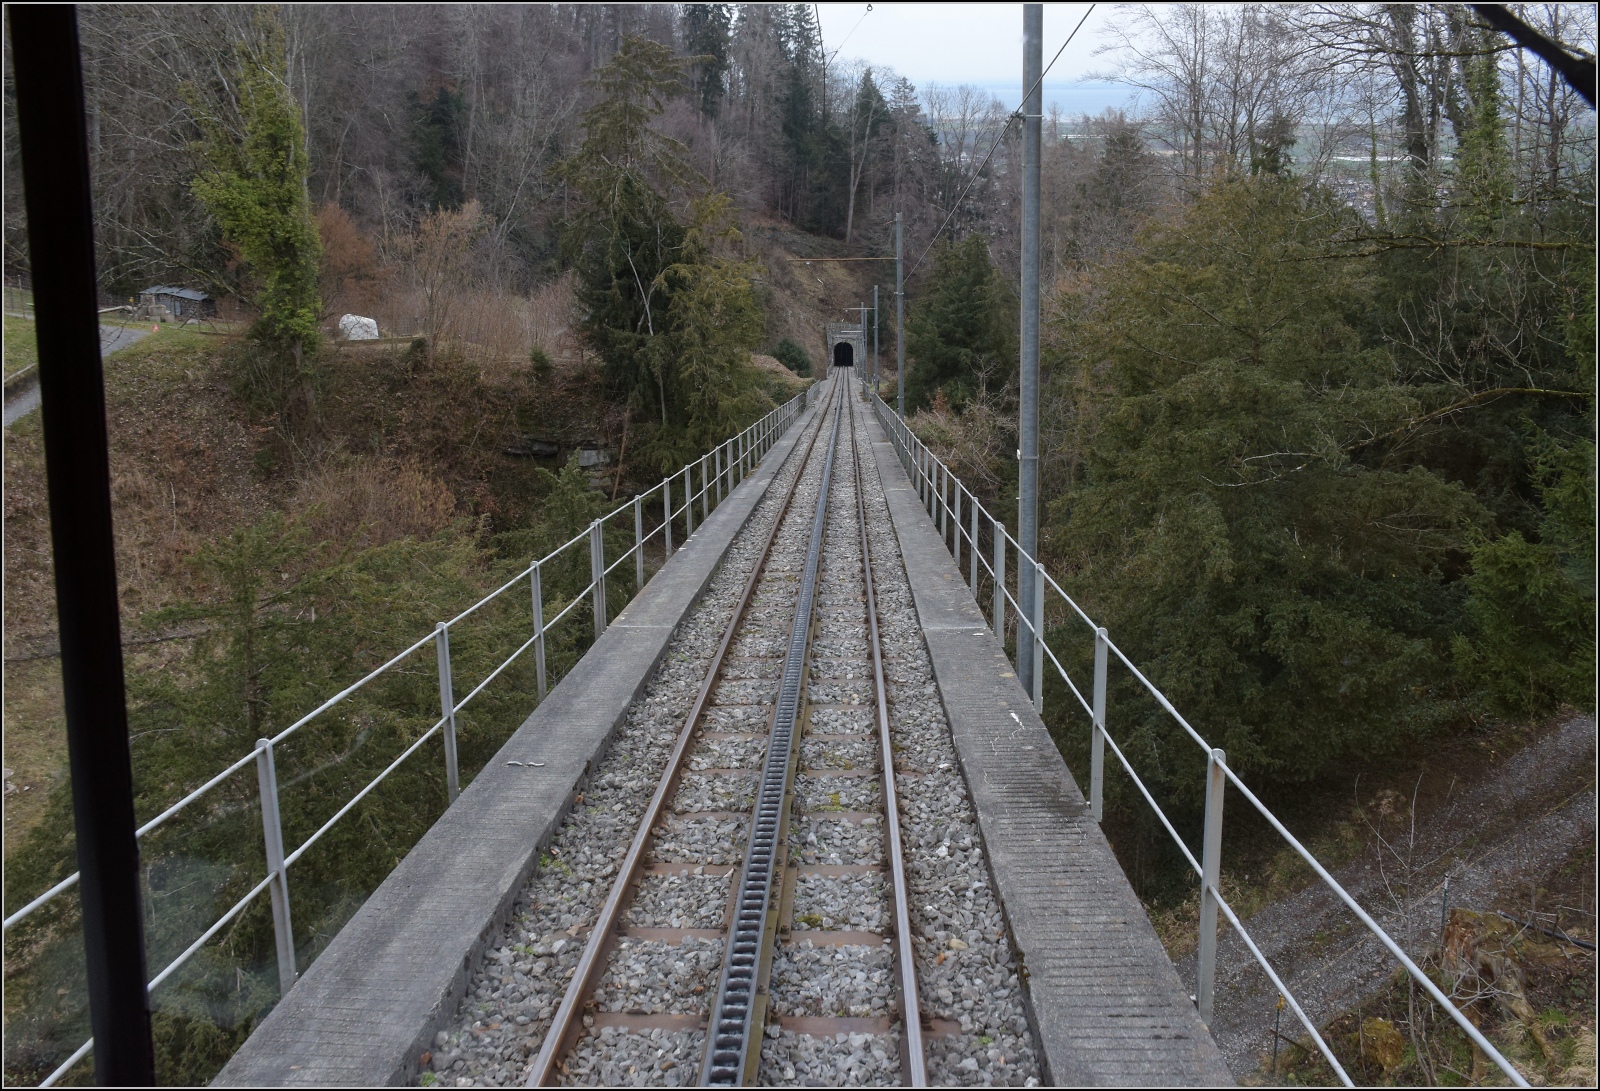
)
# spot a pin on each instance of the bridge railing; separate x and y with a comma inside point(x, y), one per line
point(720, 470)
point(961, 521)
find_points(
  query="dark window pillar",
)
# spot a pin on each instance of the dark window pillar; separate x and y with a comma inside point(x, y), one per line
point(55, 175)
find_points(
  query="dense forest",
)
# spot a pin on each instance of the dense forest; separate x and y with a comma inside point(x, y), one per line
point(1319, 369)
point(1318, 378)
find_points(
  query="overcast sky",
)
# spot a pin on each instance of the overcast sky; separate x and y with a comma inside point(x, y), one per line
point(971, 43)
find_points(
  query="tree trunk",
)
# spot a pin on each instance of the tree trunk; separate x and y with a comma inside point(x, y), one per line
point(850, 208)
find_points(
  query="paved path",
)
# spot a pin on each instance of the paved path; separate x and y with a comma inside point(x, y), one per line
point(1514, 825)
point(115, 338)
point(26, 399)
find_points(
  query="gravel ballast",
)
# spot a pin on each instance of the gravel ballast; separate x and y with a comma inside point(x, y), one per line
point(967, 978)
point(545, 937)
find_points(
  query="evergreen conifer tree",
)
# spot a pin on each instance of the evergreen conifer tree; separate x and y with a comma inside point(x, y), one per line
point(962, 329)
point(254, 185)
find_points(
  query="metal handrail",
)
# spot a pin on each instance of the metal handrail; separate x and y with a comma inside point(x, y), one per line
point(751, 445)
point(927, 470)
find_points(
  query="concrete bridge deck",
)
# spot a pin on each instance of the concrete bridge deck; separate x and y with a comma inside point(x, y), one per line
point(1106, 1005)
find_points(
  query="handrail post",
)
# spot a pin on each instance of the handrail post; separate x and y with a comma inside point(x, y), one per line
point(666, 518)
point(705, 490)
point(718, 461)
point(1210, 878)
point(944, 501)
point(999, 583)
point(955, 525)
point(447, 702)
point(272, 830)
point(597, 573)
point(538, 629)
point(974, 547)
point(1038, 637)
point(1097, 733)
point(688, 503)
point(638, 542)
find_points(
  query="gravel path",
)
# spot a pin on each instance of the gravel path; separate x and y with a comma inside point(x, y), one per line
point(1491, 841)
point(23, 398)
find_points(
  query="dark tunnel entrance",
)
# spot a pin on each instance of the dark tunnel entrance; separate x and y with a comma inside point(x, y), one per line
point(844, 354)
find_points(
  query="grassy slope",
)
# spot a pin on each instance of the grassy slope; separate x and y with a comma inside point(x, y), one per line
point(161, 420)
point(1555, 1047)
point(20, 351)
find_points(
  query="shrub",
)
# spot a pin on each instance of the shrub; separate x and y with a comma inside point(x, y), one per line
point(793, 357)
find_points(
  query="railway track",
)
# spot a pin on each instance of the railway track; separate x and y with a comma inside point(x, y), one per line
point(787, 955)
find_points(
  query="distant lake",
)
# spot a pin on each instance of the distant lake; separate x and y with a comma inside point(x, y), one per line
point(1073, 98)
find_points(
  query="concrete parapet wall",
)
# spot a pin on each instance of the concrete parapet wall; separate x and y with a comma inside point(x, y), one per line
point(394, 976)
point(1106, 1003)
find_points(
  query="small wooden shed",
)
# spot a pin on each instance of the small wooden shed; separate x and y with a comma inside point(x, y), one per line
point(181, 303)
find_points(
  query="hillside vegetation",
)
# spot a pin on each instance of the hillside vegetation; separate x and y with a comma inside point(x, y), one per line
point(1318, 392)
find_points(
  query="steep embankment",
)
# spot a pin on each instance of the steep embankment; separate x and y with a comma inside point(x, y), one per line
point(181, 468)
point(804, 291)
point(395, 444)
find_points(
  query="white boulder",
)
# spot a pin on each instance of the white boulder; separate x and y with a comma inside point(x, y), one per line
point(352, 327)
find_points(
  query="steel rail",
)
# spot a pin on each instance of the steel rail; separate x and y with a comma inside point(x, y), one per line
point(568, 1023)
point(913, 1061)
point(733, 1046)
